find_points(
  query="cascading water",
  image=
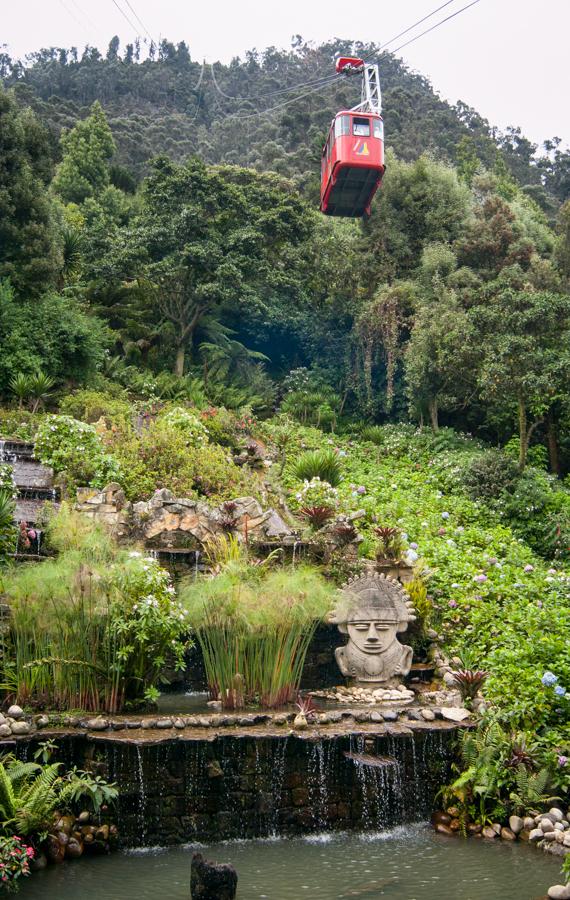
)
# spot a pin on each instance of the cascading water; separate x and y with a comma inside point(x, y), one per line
point(142, 795)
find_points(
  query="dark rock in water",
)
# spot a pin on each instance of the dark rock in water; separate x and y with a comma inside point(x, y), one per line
point(212, 881)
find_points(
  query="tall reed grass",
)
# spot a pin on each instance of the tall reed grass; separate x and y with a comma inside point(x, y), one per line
point(89, 629)
point(254, 627)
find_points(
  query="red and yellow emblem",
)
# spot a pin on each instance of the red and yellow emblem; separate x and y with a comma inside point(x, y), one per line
point(361, 148)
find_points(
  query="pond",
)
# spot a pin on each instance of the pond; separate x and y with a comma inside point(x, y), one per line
point(406, 863)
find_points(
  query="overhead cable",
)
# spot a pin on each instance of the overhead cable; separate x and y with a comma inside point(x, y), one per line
point(140, 21)
point(125, 16)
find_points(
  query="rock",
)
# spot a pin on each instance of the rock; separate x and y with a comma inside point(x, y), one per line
point(5, 731)
point(508, 835)
point(215, 705)
point(555, 814)
point(550, 835)
point(179, 723)
point(440, 828)
point(164, 723)
point(558, 826)
point(535, 835)
point(449, 679)
point(528, 823)
point(42, 721)
point(299, 723)
point(84, 817)
point(566, 839)
point(559, 837)
point(496, 826)
point(20, 728)
point(97, 724)
point(390, 715)
point(210, 881)
point(148, 723)
point(516, 824)
point(489, 833)
point(440, 817)
point(375, 716)
point(474, 829)
point(428, 715)
point(455, 825)
point(55, 848)
point(524, 834)
point(546, 824)
point(559, 892)
point(74, 849)
point(15, 712)
point(455, 713)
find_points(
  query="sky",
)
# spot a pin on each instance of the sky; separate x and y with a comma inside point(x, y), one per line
point(506, 58)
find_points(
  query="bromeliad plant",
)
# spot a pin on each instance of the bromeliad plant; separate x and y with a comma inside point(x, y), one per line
point(254, 627)
point(92, 628)
point(390, 543)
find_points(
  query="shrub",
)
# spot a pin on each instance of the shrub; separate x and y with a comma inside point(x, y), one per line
point(222, 425)
point(20, 424)
point(161, 458)
point(8, 530)
point(189, 425)
point(373, 433)
point(323, 464)
point(74, 450)
point(489, 474)
point(15, 859)
point(91, 406)
point(92, 628)
point(316, 494)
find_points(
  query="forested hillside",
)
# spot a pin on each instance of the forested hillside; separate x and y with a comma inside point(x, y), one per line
point(156, 234)
point(163, 101)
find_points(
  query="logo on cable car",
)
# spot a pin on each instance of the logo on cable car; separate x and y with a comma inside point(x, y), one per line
point(361, 148)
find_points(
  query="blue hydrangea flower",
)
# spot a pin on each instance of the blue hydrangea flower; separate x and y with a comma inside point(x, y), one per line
point(559, 690)
point(549, 679)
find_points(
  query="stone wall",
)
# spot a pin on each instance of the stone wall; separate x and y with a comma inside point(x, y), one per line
point(176, 791)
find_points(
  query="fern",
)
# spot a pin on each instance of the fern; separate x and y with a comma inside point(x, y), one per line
point(7, 797)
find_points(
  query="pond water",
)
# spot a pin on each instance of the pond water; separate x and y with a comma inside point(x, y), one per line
point(406, 863)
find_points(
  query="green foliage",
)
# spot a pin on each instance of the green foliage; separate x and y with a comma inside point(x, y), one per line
point(86, 151)
point(52, 334)
point(372, 433)
point(91, 629)
point(161, 456)
point(28, 241)
point(90, 406)
point(8, 531)
point(254, 627)
point(489, 474)
point(322, 464)
point(188, 424)
point(74, 450)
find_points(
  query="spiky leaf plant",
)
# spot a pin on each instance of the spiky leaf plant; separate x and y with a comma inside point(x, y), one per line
point(323, 464)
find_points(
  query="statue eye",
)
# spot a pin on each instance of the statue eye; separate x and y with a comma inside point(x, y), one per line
point(361, 626)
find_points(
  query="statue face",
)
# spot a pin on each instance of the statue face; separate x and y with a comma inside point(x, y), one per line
point(371, 635)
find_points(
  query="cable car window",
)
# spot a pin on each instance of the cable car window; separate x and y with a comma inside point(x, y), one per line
point(361, 127)
point(377, 128)
point(341, 126)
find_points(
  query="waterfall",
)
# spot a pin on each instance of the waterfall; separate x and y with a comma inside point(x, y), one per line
point(196, 561)
point(295, 545)
point(142, 796)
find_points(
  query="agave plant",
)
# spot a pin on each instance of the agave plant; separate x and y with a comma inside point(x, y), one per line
point(390, 543)
point(317, 516)
point(469, 682)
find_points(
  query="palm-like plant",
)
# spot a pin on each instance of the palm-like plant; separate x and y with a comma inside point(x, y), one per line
point(20, 385)
point(41, 387)
point(72, 246)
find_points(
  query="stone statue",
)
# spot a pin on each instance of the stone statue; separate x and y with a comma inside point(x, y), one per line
point(372, 610)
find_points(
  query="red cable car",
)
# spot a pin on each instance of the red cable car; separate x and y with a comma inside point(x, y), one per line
point(352, 163)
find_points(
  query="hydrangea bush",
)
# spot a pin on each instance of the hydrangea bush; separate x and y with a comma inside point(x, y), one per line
point(315, 493)
point(188, 424)
point(74, 450)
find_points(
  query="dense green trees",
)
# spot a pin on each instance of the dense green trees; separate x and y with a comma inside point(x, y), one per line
point(87, 149)
point(29, 252)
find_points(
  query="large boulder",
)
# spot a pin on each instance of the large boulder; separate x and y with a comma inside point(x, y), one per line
point(212, 881)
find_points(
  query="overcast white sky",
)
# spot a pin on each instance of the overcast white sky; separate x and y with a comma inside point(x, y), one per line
point(507, 58)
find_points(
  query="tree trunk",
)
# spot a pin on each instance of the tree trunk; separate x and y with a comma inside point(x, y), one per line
point(179, 361)
point(552, 438)
point(433, 414)
point(523, 434)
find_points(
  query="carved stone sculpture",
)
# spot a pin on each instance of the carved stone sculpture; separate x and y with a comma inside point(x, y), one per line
point(372, 610)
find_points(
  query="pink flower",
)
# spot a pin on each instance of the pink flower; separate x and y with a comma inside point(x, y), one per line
point(480, 578)
point(452, 604)
point(529, 568)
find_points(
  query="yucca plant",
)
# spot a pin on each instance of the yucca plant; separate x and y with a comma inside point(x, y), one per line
point(21, 387)
point(373, 433)
point(41, 387)
point(323, 464)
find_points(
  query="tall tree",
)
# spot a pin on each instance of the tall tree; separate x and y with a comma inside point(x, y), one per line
point(524, 353)
point(28, 240)
point(87, 150)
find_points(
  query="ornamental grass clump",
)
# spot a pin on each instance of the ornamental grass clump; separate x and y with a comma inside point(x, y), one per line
point(90, 629)
point(254, 627)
